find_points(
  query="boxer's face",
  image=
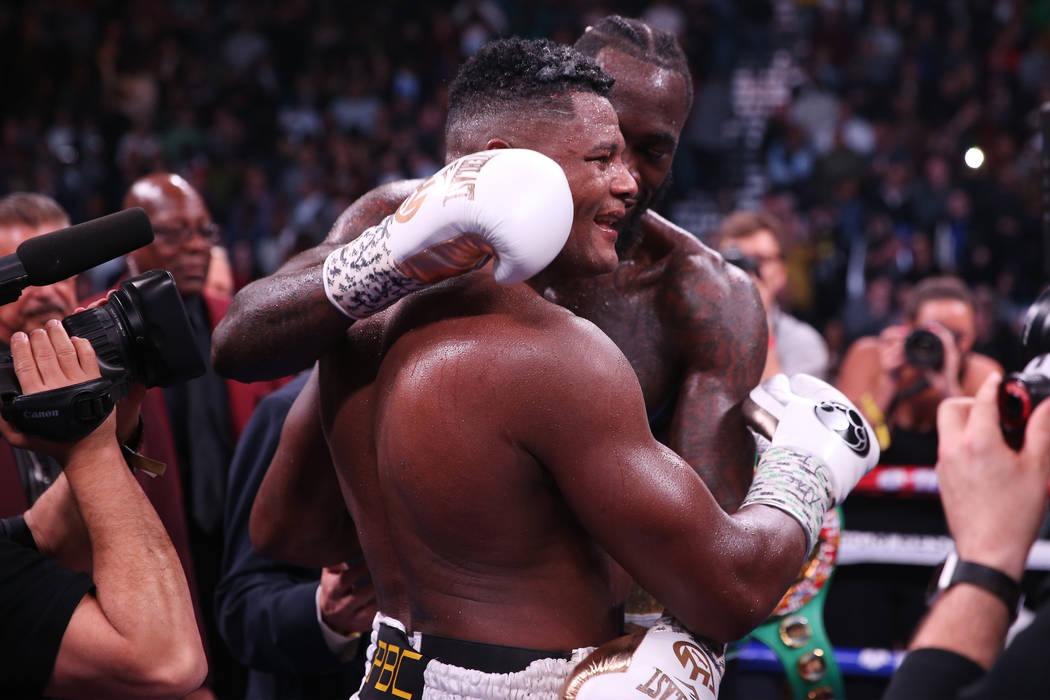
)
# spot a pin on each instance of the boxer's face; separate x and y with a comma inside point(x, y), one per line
point(589, 148)
point(183, 237)
point(37, 305)
point(651, 105)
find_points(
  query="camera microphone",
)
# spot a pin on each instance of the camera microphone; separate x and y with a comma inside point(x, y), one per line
point(55, 256)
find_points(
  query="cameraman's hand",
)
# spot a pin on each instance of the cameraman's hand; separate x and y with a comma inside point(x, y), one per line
point(128, 408)
point(891, 349)
point(994, 498)
point(49, 359)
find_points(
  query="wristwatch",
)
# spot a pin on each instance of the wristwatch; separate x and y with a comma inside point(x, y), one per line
point(954, 570)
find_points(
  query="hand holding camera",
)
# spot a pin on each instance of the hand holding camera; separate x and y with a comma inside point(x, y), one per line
point(933, 349)
point(48, 360)
point(1021, 392)
point(139, 335)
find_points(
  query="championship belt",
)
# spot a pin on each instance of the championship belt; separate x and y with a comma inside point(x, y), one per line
point(795, 631)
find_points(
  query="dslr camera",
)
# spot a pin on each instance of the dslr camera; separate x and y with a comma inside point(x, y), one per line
point(923, 349)
point(141, 334)
point(1021, 392)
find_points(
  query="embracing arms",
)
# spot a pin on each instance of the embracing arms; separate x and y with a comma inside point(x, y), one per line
point(299, 515)
point(721, 575)
point(261, 336)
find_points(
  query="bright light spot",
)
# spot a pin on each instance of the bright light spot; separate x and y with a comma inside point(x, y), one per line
point(974, 157)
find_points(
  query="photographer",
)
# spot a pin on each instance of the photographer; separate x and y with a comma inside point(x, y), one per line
point(899, 378)
point(130, 634)
point(995, 500)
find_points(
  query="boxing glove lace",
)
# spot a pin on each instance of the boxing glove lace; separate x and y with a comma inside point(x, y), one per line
point(510, 204)
point(820, 448)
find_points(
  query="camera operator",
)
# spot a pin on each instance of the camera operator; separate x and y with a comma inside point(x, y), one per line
point(899, 378)
point(995, 500)
point(25, 474)
point(130, 634)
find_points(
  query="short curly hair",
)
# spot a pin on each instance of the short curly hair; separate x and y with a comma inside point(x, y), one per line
point(508, 76)
point(641, 41)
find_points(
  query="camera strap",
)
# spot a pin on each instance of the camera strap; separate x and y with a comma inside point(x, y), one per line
point(61, 415)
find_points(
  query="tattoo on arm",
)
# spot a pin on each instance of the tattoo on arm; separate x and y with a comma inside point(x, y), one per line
point(722, 334)
point(281, 324)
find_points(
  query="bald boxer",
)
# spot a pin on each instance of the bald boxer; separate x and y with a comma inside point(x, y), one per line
point(692, 327)
point(493, 448)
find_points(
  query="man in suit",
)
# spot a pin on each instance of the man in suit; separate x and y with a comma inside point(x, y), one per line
point(202, 418)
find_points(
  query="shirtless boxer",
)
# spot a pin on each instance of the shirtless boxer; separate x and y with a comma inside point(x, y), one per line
point(692, 328)
point(492, 446)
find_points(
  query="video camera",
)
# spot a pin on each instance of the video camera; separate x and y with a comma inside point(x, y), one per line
point(141, 334)
point(1021, 392)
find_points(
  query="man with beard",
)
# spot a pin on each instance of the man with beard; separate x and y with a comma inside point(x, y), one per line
point(493, 448)
point(692, 327)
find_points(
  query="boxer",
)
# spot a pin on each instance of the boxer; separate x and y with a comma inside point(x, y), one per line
point(692, 327)
point(493, 448)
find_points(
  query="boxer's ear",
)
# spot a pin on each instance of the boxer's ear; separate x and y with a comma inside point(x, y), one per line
point(496, 143)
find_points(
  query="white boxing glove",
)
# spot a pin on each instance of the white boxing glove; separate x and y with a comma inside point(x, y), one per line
point(665, 661)
point(512, 204)
point(821, 446)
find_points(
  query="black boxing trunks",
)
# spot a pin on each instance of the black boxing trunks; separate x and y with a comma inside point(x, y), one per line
point(421, 666)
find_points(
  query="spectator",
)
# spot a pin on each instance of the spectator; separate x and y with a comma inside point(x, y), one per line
point(899, 378)
point(206, 414)
point(794, 346)
point(127, 631)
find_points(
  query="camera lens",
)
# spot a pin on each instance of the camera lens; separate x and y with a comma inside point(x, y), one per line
point(1019, 394)
point(141, 334)
point(922, 348)
point(1035, 333)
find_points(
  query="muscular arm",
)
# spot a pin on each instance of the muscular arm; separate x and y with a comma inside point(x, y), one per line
point(299, 515)
point(262, 334)
point(721, 328)
point(136, 636)
point(264, 607)
point(721, 575)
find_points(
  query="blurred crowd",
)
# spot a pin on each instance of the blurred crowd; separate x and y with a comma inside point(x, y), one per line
point(893, 139)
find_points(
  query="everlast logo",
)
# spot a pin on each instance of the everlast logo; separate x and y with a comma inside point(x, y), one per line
point(664, 687)
point(690, 655)
point(465, 176)
point(411, 205)
point(696, 662)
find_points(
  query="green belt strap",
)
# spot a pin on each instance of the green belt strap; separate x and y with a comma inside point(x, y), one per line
point(815, 652)
point(801, 644)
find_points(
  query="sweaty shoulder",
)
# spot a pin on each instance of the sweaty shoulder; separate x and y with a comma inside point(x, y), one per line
point(369, 210)
point(512, 338)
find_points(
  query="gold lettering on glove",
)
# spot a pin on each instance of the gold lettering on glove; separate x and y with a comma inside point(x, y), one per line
point(664, 687)
point(690, 654)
